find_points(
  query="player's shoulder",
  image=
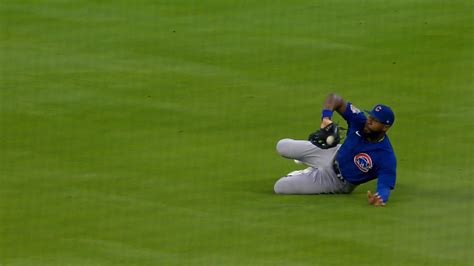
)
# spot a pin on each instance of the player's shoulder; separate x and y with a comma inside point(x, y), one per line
point(352, 108)
point(354, 116)
point(387, 148)
point(387, 143)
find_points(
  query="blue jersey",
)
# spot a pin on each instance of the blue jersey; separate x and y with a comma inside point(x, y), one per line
point(361, 161)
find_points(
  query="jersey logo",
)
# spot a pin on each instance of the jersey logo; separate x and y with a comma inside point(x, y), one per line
point(363, 162)
point(354, 109)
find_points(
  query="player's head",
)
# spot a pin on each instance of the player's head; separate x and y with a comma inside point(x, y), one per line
point(379, 120)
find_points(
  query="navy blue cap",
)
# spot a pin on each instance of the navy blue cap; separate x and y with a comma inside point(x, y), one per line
point(383, 113)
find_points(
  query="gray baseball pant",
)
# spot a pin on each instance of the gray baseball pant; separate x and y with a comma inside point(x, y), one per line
point(318, 178)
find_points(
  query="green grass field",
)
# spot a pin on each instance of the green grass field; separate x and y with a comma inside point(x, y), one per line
point(144, 132)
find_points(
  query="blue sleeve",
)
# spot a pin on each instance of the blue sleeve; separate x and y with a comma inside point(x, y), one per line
point(383, 190)
point(353, 116)
point(386, 179)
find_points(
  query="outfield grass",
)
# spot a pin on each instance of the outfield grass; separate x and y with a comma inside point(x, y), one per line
point(143, 133)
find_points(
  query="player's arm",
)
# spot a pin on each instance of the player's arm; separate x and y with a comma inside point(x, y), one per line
point(385, 183)
point(332, 103)
point(335, 102)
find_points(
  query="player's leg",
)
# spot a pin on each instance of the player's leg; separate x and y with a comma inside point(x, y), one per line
point(298, 182)
point(306, 152)
point(312, 181)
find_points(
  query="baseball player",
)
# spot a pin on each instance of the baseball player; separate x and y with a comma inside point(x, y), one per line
point(366, 154)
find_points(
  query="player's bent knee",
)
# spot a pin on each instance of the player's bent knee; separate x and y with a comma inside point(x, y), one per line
point(283, 147)
point(282, 187)
point(278, 188)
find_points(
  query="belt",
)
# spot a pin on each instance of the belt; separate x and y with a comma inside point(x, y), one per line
point(337, 170)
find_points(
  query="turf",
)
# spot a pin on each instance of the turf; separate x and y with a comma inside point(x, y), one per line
point(143, 132)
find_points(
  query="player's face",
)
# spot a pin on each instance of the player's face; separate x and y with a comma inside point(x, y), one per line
point(374, 126)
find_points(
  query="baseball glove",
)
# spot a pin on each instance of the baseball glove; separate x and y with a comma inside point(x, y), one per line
point(326, 137)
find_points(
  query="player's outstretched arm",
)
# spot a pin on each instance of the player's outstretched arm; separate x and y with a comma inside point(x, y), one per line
point(385, 183)
point(332, 103)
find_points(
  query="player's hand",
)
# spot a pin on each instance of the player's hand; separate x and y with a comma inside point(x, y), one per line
point(326, 121)
point(375, 199)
